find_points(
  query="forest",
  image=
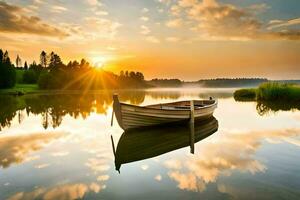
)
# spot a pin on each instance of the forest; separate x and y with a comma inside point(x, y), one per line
point(52, 73)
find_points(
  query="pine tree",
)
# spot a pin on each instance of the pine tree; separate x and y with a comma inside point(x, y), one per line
point(25, 66)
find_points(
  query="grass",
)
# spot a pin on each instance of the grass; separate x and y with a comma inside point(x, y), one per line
point(245, 94)
point(270, 91)
point(20, 89)
point(278, 91)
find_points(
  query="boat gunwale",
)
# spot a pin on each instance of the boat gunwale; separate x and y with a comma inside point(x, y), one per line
point(187, 109)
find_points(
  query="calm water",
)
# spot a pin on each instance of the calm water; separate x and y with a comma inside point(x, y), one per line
point(60, 147)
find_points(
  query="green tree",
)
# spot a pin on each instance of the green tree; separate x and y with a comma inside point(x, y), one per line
point(7, 72)
point(25, 66)
point(55, 61)
point(43, 59)
point(30, 76)
point(18, 61)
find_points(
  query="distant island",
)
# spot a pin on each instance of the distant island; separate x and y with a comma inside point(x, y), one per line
point(50, 73)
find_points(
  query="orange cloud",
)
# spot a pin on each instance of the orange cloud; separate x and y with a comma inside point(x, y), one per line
point(16, 149)
point(229, 151)
point(14, 20)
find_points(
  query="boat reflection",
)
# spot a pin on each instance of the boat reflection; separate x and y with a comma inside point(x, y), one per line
point(147, 143)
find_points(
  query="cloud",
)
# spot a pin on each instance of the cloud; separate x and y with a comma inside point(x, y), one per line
point(187, 3)
point(152, 39)
point(97, 165)
point(158, 177)
point(102, 28)
point(160, 10)
point(103, 178)
point(229, 151)
point(145, 10)
point(217, 21)
point(145, 19)
point(60, 154)
point(282, 35)
point(172, 39)
point(223, 20)
point(101, 13)
point(58, 9)
point(280, 23)
point(187, 181)
point(144, 167)
point(175, 10)
point(15, 149)
point(259, 8)
point(62, 192)
point(145, 30)
point(14, 20)
point(41, 166)
point(93, 2)
point(175, 23)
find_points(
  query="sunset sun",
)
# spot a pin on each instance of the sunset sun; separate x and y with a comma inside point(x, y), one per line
point(99, 61)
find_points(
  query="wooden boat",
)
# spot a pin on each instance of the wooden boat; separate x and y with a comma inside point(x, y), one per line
point(133, 117)
point(142, 144)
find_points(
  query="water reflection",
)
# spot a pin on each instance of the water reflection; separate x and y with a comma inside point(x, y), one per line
point(230, 152)
point(267, 107)
point(143, 144)
point(62, 192)
point(15, 149)
point(249, 154)
point(54, 107)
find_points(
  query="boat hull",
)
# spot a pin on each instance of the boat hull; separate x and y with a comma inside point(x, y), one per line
point(135, 117)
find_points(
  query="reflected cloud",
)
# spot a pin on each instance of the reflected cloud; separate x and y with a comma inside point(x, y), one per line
point(229, 151)
point(97, 165)
point(103, 178)
point(41, 166)
point(158, 177)
point(15, 149)
point(64, 192)
point(60, 154)
point(187, 181)
point(144, 167)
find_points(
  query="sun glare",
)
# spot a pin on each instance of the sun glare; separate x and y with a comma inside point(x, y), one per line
point(99, 61)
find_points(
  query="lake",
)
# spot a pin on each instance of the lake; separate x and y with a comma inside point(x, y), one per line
point(61, 147)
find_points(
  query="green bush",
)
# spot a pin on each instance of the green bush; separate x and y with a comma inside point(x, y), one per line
point(245, 95)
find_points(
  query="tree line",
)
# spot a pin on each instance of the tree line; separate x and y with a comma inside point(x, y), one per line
point(52, 73)
point(7, 72)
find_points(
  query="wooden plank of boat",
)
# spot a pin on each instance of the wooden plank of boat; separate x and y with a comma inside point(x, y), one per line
point(142, 144)
point(133, 117)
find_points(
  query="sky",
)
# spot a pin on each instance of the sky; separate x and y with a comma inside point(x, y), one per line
point(186, 39)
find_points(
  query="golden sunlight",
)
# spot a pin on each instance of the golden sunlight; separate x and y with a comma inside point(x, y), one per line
point(99, 61)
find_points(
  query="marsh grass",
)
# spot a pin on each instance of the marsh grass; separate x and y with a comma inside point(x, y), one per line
point(270, 91)
point(245, 94)
point(278, 91)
